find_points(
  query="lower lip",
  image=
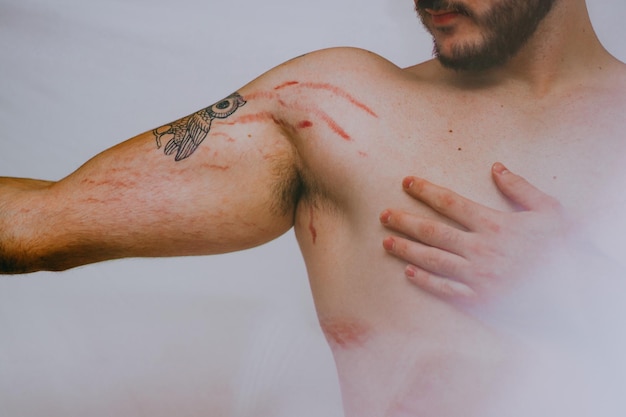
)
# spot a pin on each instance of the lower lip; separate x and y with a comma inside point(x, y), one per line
point(444, 19)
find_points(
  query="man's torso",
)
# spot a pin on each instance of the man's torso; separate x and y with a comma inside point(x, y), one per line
point(359, 125)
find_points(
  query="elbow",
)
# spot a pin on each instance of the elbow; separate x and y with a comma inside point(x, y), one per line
point(18, 255)
point(24, 227)
point(17, 251)
point(11, 263)
point(20, 261)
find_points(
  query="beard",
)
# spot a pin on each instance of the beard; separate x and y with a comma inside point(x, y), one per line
point(507, 27)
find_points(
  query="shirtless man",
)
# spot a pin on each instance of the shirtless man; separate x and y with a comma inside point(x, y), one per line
point(322, 143)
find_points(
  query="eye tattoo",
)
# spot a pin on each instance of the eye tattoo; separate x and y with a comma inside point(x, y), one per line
point(186, 134)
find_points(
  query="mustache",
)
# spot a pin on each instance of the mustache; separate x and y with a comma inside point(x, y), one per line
point(422, 5)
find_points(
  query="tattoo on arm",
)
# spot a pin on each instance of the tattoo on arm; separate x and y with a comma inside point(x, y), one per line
point(186, 134)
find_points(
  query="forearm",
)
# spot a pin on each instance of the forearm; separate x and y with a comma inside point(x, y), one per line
point(18, 203)
point(10, 184)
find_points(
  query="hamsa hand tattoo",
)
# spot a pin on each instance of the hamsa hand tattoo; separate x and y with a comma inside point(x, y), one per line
point(186, 134)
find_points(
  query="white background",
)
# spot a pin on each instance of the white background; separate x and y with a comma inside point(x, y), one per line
point(233, 335)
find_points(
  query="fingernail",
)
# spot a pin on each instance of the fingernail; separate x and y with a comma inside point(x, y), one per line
point(407, 182)
point(499, 168)
point(409, 271)
point(389, 244)
point(385, 216)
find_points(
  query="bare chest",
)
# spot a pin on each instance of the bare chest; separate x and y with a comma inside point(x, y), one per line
point(575, 152)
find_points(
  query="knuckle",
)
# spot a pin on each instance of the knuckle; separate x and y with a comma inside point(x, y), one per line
point(443, 287)
point(450, 236)
point(439, 264)
point(446, 289)
point(491, 225)
point(427, 230)
point(487, 272)
point(445, 200)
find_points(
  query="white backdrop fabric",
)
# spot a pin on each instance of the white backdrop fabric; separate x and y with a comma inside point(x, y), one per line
point(233, 335)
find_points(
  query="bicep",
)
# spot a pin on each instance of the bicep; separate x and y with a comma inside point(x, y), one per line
point(211, 182)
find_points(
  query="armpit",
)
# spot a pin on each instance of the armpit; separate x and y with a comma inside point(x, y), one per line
point(288, 186)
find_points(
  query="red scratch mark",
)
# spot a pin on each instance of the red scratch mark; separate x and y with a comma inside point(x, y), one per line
point(363, 154)
point(282, 123)
point(331, 123)
point(218, 167)
point(286, 84)
point(304, 124)
point(344, 333)
point(260, 94)
point(93, 200)
point(341, 93)
point(316, 111)
point(259, 117)
point(311, 226)
point(225, 135)
point(253, 118)
point(333, 89)
point(109, 183)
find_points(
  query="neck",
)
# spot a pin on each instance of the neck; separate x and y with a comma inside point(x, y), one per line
point(564, 49)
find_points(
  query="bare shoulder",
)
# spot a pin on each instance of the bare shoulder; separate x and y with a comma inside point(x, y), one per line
point(332, 65)
point(343, 57)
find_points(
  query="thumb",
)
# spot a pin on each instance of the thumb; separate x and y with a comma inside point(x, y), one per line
point(520, 191)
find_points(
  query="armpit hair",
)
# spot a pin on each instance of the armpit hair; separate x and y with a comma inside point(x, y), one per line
point(288, 187)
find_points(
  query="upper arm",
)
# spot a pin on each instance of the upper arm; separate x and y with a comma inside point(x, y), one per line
point(224, 178)
point(221, 179)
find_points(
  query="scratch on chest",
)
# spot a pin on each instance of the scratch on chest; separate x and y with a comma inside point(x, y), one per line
point(344, 333)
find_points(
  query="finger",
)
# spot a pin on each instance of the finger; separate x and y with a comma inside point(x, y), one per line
point(463, 211)
point(439, 286)
point(432, 259)
point(428, 231)
point(521, 192)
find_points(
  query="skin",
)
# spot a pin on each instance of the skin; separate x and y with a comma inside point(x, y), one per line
point(491, 249)
point(322, 144)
